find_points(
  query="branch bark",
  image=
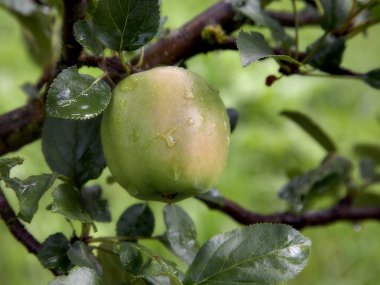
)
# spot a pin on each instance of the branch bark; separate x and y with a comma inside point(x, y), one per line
point(340, 212)
point(17, 228)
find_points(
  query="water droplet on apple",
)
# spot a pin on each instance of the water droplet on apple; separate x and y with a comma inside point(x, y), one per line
point(190, 122)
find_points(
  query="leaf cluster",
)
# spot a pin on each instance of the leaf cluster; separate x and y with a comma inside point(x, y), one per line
point(339, 19)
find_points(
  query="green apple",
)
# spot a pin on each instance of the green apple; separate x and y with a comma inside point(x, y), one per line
point(165, 134)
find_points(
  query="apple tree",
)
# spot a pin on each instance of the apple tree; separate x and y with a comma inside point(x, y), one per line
point(164, 133)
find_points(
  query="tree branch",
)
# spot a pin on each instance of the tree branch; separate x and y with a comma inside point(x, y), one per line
point(73, 10)
point(17, 228)
point(340, 212)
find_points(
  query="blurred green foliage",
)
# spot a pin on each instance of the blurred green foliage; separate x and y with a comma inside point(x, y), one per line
point(265, 147)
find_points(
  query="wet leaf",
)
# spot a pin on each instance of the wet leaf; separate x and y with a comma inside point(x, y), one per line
point(141, 262)
point(68, 202)
point(29, 192)
point(252, 47)
point(96, 207)
point(180, 233)
point(77, 96)
point(84, 33)
point(53, 255)
point(136, 221)
point(113, 271)
point(126, 25)
point(259, 255)
point(301, 190)
point(6, 164)
point(81, 255)
point(252, 9)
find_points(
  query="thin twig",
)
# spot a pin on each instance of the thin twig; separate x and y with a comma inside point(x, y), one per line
point(340, 212)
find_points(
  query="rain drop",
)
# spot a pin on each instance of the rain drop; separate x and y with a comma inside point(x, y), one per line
point(169, 138)
point(188, 93)
point(190, 122)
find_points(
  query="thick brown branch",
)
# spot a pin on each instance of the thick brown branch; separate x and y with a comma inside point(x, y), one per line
point(187, 41)
point(73, 11)
point(340, 212)
point(17, 228)
point(21, 126)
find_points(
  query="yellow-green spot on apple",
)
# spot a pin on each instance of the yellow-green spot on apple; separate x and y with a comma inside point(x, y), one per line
point(165, 134)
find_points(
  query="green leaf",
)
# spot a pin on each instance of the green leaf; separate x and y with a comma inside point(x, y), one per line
point(375, 10)
point(372, 78)
point(368, 170)
point(301, 190)
point(336, 13)
point(84, 33)
point(126, 25)
point(6, 164)
point(53, 255)
point(94, 205)
point(136, 221)
point(79, 275)
point(180, 233)
point(326, 53)
point(309, 126)
point(252, 47)
point(252, 10)
point(113, 271)
point(72, 148)
point(68, 202)
point(81, 255)
point(258, 254)
point(367, 150)
point(77, 96)
point(233, 116)
point(29, 192)
point(41, 37)
point(141, 262)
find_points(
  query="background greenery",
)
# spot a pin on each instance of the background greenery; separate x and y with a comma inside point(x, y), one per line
point(264, 148)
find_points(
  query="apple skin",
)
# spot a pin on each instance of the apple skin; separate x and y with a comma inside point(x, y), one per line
point(165, 134)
